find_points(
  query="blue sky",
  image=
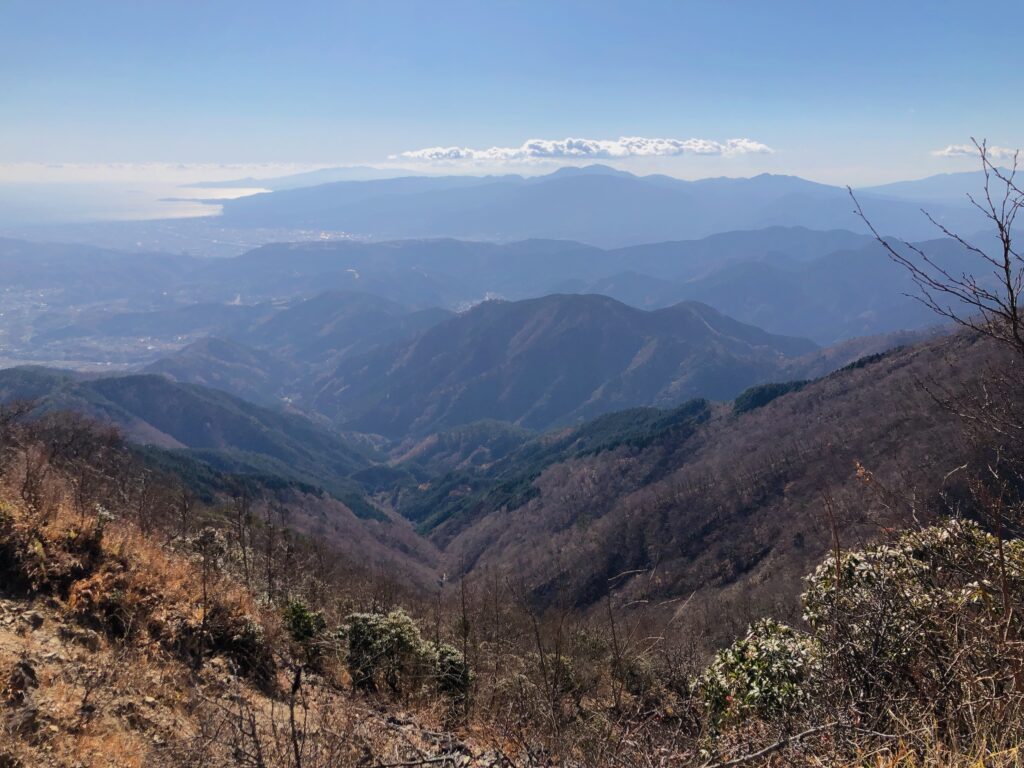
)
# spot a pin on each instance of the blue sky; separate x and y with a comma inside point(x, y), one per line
point(840, 92)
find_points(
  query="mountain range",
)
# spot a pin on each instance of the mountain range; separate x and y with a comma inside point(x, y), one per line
point(950, 188)
point(535, 363)
point(596, 205)
point(720, 497)
point(824, 285)
point(606, 373)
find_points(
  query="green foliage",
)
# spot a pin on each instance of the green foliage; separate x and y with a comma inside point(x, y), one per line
point(276, 474)
point(863, 362)
point(767, 673)
point(922, 570)
point(509, 483)
point(918, 634)
point(303, 624)
point(361, 507)
point(381, 477)
point(759, 396)
point(638, 427)
point(387, 648)
point(210, 474)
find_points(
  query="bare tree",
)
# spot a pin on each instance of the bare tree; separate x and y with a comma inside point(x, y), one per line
point(987, 302)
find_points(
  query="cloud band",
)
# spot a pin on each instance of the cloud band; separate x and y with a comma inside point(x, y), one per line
point(969, 150)
point(539, 150)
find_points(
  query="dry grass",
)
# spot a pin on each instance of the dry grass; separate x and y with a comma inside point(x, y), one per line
point(131, 666)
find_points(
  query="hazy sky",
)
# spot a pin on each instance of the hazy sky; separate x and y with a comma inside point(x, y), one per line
point(840, 92)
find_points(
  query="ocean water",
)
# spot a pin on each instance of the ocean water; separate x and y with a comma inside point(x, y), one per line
point(28, 204)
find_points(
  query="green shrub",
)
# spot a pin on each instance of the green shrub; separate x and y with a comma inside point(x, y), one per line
point(302, 623)
point(387, 649)
point(768, 673)
point(305, 627)
point(921, 620)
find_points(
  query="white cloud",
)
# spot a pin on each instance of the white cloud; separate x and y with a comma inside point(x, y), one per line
point(540, 150)
point(969, 150)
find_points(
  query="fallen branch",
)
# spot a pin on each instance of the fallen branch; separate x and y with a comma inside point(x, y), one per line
point(424, 761)
point(771, 748)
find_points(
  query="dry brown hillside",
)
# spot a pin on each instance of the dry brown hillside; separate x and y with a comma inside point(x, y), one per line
point(127, 642)
point(734, 514)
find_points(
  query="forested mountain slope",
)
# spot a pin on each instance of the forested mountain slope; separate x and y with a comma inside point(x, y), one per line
point(704, 499)
point(549, 361)
point(226, 431)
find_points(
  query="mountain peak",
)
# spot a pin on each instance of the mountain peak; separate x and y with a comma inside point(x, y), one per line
point(549, 361)
point(596, 169)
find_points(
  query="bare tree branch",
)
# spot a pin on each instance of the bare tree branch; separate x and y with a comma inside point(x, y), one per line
point(989, 304)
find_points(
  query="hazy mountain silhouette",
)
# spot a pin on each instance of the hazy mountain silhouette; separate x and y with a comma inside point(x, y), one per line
point(942, 188)
point(307, 178)
point(598, 206)
point(254, 375)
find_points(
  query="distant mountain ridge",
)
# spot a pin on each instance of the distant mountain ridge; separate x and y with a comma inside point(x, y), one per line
point(313, 304)
point(252, 374)
point(268, 361)
point(306, 178)
point(600, 206)
point(941, 188)
point(536, 363)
